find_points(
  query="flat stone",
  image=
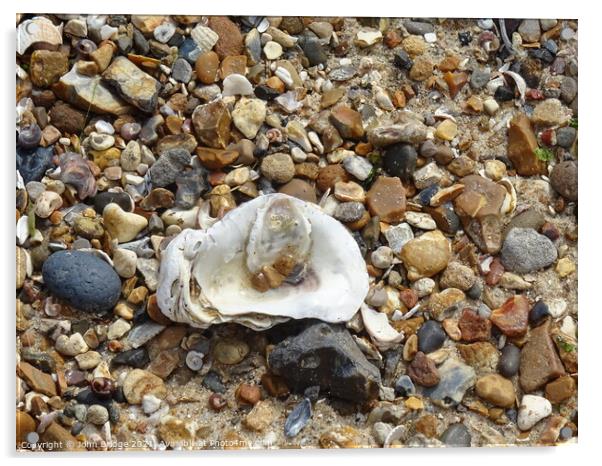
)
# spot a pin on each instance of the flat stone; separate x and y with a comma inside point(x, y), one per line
point(347, 121)
point(539, 362)
point(89, 93)
point(526, 251)
point(37, 380)
point(481, 197)
point(426, 255)
point(412, 132)
point(456, 379)
point(521, 147)
point(82, 279)
point(386, 199)
point(134, 85)
point(308, 359)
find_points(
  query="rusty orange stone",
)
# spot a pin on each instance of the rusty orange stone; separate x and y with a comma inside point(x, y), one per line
point(214, 159)
point(474, 327)
point(512, 317)
point(347, 121)
point(387, 199)
point(233, 64)
point(521, 147)
point(206, 67)
point(455, 82)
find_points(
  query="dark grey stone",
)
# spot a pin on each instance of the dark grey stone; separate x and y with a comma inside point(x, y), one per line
point(430, 336)
point(509, 361)
point(168, 167)
point(314, 51)
point(32, 164)
point(349, 211)
point(479, 78)
point(404, 386)
point(564, 179)
point(137, 358)
point(83, 280)
point(123, 200)
point(181, 71)
point(565, 136)
point(400, 160)
point(456, 435)
point(418, 28)
point(326, 355)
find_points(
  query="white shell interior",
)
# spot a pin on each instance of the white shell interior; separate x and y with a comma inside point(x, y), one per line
point(204, 277)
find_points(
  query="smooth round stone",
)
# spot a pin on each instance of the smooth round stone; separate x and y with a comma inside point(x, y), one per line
point(83, 280)
point(509, 361)
point(404, 386)
point(349, 211)
point(456, 435)
point(400, 160)
point(526, 251)
point(538, 313)
point(430, 336)
point(272, 50)
point(101, 141)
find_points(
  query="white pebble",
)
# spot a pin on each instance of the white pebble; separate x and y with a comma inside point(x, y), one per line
point(150, 404)
point(430, 37)
point(532, 409)
point(237, 84)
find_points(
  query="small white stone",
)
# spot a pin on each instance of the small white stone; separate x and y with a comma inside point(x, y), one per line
point(298, 155)
point(47, 203)
point(118, 329)
point(100, 141)
point(72, 345)
point(124, 262)
point(88, 360)
point(491, 106)
point(272, 50)
point(532, 409)
point(150, 404)
point(104, 127)
point(366, 38)
point(420, 220)
point(423, 286)
point(399, 235)
point(430, 37)
point(237, 84)
point(382, 257)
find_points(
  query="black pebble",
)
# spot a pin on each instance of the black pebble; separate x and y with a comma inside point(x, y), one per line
point(400, 160)
point(83, 280)
point(123, 200)
point(137, 358)
point(509, 361)
point(32, 164)
point(503, 94)
point(538, 313)
point(430, 336)
point(465, 38)
point(213, 382)
point(475, 291)
point(402, 60)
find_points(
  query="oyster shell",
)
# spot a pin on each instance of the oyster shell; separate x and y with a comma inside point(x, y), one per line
point(211, 276)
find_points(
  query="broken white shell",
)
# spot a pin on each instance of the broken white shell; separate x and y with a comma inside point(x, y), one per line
point(37, 30)
point(380, 330)
point(205, 276)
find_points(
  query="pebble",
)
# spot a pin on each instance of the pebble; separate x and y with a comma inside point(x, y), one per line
point(237, 84)
point(230, 351)
point(358, 166)
point(124, 262)
point(150, 404)
point(249, 115)
point(524, 251)
point(47, 203)
point(400, 160)
point(298, 418)
point(426, 255)
point(418, 28)
point(512, 317)
point(509, 360)
point(97, 415)
point(82, 279)
point(404, 386)
point(431, 336)
point(134, 85)
point(212, 123)
point(564, 179)
point(456, 379)
point(382, 257)
point(423, 371)
point(71, 345)
point(121, 225)
point(168, 166)
point(278, 167)
point(319, 345)
point(532, 409)
point(137, 358)
point(348, 212)
point(538, 313)
point(496, 389)
point(118, 329)
point(565, 137)
point(456, 435)
point(386, 199)
point(347, 121)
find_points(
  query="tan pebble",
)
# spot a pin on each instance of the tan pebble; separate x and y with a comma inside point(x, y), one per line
point(139, 382)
